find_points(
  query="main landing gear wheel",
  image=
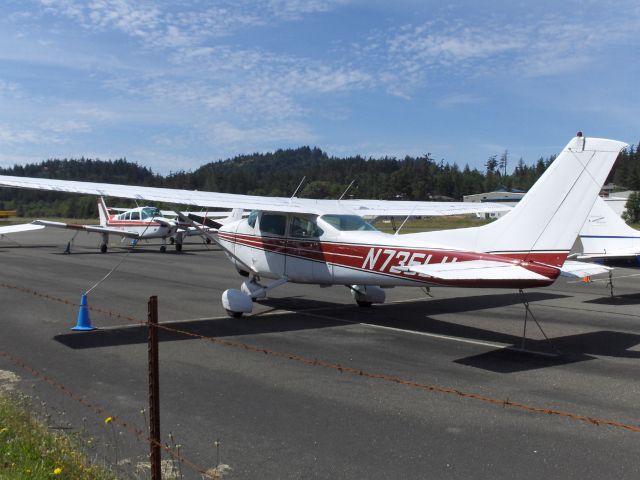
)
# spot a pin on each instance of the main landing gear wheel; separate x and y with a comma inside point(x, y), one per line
point(178, 247)
point(364, 304)
point(234, 314)
point(103, 248)
point(163, 248)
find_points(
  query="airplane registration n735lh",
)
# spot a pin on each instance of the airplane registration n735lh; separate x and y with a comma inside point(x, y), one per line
point(327, 242)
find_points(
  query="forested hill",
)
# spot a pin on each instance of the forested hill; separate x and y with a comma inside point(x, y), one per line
point(280, 172)
point(412, 178)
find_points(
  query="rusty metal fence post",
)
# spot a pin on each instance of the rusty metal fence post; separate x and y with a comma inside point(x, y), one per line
point(154, 390)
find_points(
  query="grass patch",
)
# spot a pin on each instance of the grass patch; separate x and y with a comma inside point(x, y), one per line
point(29, 449)
point(427, 224)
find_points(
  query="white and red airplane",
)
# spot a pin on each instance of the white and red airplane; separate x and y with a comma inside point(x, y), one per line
point(145, 223)
point(327, 242)
point(140, 223)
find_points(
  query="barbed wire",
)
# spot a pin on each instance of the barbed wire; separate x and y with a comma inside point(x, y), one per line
point(351, 370)
point(99, 410)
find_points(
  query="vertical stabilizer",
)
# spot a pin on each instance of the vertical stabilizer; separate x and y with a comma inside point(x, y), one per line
point(546, 222)
point(103, 212)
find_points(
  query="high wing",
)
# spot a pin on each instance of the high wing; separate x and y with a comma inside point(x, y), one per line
point(86, 228)
point(475, 270)
point(252, 202)
point(25, 227)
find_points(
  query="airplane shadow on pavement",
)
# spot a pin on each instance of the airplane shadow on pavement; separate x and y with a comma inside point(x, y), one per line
point(308, 314)
point(628, 299)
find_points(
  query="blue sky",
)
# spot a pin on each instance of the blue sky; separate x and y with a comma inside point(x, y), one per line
point(174, 85)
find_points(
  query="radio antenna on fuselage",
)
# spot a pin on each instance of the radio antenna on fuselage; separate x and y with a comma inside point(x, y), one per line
point(347, 189)
point(299, 185)
point(397, 232)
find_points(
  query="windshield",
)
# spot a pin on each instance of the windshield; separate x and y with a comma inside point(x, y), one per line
point(347, 223)
point(150, 212)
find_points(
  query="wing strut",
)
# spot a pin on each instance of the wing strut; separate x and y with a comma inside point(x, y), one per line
point(528, 312)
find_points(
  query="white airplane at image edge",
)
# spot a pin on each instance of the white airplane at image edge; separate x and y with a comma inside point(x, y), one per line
point(140, 223)
point(327, 242)
point(607, 239)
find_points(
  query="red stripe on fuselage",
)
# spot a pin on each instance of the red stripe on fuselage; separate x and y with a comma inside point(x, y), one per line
point(386, 260)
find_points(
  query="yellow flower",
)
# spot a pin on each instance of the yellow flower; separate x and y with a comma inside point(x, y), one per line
point(57, 471)
point(4, 429)
point(108, 420)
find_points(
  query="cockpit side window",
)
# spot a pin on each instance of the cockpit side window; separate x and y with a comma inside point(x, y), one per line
point(348, 223)
point(274, 223)
point(302, 227)
point(135, 215)
point(253, 216)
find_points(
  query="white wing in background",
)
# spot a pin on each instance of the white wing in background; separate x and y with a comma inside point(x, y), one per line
point(373, 208)
point(25, 227)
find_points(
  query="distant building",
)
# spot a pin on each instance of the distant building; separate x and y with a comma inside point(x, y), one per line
point(508, 197)
point(615, 199)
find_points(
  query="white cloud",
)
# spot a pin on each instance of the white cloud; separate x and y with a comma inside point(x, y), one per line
point(12, 136)
point(229, 135)
point(460, 99)
point(58, 126)
point(293, 9)
point(409, 57)
point(10, 89)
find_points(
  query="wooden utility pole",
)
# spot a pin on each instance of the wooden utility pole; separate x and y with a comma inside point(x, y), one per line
point(154, 391)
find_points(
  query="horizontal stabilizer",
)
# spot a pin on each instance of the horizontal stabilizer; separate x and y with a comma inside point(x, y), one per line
point(621, 253)
point(571, 268)
point(476, 270)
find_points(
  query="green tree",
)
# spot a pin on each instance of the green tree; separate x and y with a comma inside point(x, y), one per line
point(632, 214)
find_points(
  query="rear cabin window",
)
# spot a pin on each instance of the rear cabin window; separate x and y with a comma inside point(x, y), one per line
point(273, 223)
point(347, 223)
point(135, 215)
point(302, 227)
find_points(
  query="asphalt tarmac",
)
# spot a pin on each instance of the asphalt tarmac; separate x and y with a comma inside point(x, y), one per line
point(312, 386)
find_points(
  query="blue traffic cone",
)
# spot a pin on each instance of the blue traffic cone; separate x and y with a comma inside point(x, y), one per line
point(84, 322)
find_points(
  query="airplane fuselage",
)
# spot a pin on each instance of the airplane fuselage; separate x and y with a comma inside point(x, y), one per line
point(363, 257)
